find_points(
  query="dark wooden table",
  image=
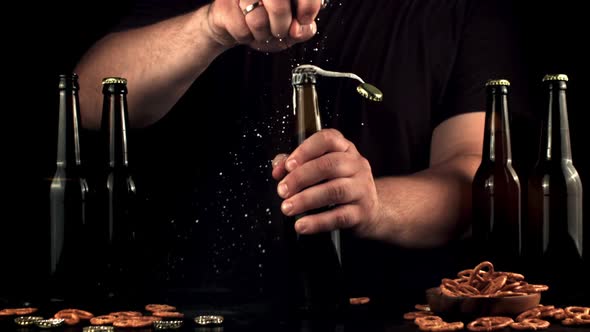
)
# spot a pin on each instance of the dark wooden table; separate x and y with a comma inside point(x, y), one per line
point(356, 321)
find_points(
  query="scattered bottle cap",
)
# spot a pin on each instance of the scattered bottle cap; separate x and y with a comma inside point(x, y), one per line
point(98, 328)
point(50, 323)
point(167, 324)
point(209, 320)
point(27, 320)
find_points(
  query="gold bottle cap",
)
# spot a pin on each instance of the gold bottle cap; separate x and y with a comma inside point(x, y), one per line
point(555, 77)
point(167, 324)
point(209, 320)
point(27, 320)
point(501, 82)
point(114, 80)
point(370, 92)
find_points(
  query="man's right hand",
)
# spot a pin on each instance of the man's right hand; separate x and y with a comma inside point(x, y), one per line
point(270, 27)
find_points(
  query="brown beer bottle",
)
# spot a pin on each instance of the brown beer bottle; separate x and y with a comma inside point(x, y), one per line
point(496, 191)
point(552, 237)
point(119, 196)
point(320, 272)
point(68, 195)
point(318, 257)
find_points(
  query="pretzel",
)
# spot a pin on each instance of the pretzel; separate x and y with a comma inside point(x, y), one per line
point(422, 307)
point(582, 319)
point(530, 288)
point(82, 314)
point(17, 311)
point(530, 324)
point(483, 281)
point(133, 322)
point(359, 300)
point(168, 314)
point(557, 313)
point(412, 315)
point(159, 307)
point(123, 314)
point(69, 318)
point(102, 320)
point(489, 323)
point(454, 326)
point(427, 320)
point(529, 314)
point(573, 311)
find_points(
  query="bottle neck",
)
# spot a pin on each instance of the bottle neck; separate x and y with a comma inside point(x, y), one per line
point(556, 136)
point(497, 146)
point(68, 137)
point(115, 125)
point(306, 110)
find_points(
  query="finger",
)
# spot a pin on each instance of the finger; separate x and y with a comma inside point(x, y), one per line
point(320, 143)
point(301, 32)
point(329, 166)
point(225, 24)
point(280, 16)
point(341, 217)
point(307, 10)
point(257, 21)
point(336, 192)
point(278, 166)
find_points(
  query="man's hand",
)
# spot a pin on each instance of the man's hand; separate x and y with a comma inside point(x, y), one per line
point(326, 169)
point(272, 26)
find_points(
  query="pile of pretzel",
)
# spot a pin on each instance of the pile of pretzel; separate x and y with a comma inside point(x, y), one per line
point(483, 281)
point(123, 319)
point(537, 318)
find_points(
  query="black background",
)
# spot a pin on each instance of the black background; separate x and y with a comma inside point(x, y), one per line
point(46, 39)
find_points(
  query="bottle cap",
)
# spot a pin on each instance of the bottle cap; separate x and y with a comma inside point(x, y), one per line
point(167, 324)
point(555, 77)
point(501, 82)
point(370, 92)
point(209, 319)
point(114, 80)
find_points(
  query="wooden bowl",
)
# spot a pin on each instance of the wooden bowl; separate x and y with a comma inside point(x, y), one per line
point(469, 307)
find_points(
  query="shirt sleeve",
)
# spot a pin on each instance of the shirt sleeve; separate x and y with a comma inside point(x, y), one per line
point(488, 49)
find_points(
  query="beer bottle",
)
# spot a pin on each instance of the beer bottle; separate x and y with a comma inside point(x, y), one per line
point(318, 256)
point(496, 191)
point(552, 237)
point(119, 194)
point(68, 195)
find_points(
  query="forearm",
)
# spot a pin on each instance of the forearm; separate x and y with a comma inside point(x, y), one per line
point(427, 208)
point(160, 62)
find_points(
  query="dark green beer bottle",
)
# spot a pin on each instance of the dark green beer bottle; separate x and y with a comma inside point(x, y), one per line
point(552, 237)
point(68, 196)
point(118, 193)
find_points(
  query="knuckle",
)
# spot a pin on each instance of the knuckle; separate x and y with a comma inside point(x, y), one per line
point(280, 8)
point(257, 23)
point(342, 219)
point(365, 164)
point(326, 164)
point(243, 37)
point(337, 193)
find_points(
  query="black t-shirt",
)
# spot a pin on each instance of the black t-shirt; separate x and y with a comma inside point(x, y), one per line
point(205, 168)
